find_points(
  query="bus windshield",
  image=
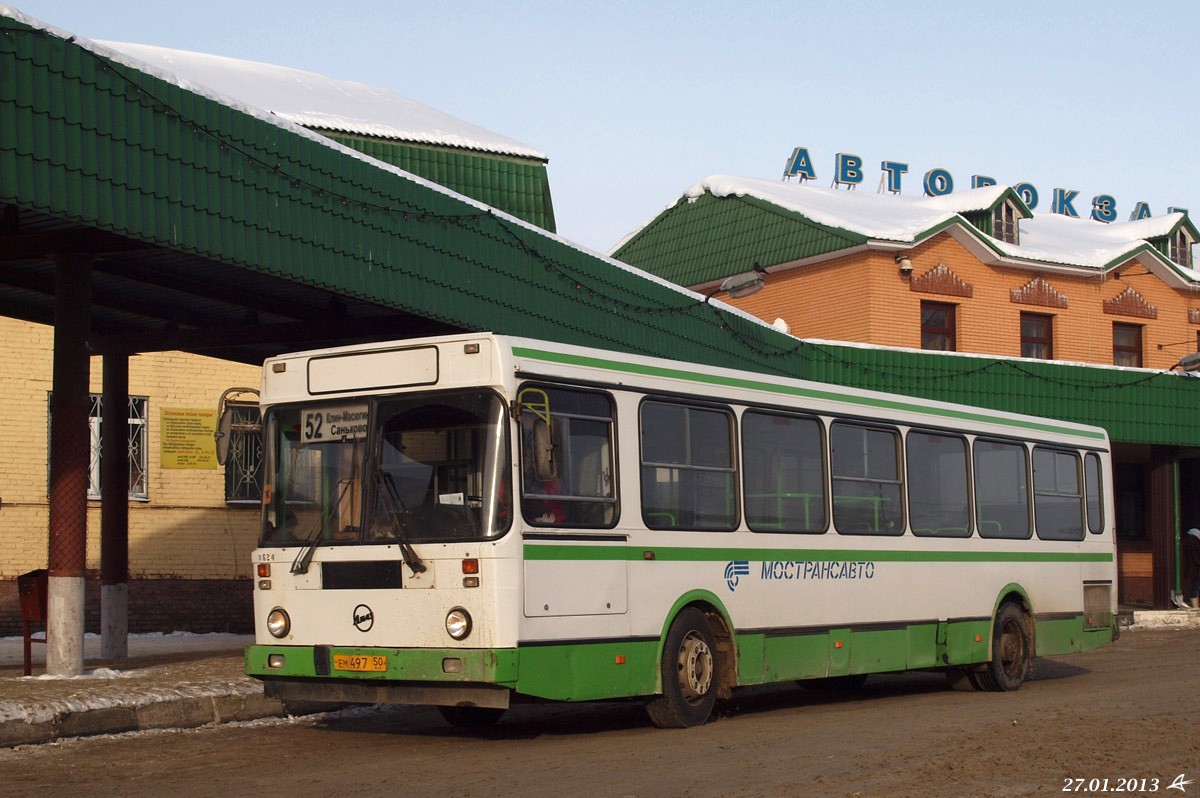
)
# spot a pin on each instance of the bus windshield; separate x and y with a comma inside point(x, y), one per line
point(411, 469)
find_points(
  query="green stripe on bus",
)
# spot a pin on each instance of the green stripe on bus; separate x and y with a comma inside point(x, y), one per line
point(878, 403)
point(538, 551)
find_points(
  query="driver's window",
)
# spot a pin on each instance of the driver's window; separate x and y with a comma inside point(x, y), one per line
point(573, 484)
point(437, 461)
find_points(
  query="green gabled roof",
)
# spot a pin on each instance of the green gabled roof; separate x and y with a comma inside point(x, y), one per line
point(1162, 243)
point(708, 238)
point(982, 218)
point(520, 187)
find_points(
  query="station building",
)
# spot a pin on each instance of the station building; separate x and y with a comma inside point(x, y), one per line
point(1111, 308)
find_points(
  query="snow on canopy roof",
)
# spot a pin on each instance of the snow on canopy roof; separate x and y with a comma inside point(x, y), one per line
point(1048, 237)
point(323, 103)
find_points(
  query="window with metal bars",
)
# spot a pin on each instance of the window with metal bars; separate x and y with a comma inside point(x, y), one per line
point(138, 481)
point(244, 464)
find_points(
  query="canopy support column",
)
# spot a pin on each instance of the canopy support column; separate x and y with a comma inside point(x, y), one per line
point(70, 461)
point(114, 509)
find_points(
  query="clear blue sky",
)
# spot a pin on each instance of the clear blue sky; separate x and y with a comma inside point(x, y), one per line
point(635, 101)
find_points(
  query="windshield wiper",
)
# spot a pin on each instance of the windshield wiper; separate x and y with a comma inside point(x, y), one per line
point(305, 555)
point(410, 556)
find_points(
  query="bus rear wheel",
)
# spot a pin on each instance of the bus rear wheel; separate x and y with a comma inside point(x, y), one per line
point(1012, 652)
point(471, 717)
point(689, 674)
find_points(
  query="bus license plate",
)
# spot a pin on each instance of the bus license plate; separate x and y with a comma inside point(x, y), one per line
point(358, 662)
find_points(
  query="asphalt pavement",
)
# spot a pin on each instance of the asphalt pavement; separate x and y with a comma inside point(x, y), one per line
point(181, 682)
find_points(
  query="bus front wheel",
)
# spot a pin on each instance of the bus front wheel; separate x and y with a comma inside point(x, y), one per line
point(1012, 652)
point(689, 674)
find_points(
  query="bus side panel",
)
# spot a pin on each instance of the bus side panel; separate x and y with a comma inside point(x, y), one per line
point(790, 657)
point(1069, 636)
point(841, 652)
point(588, 671)
point(752, 659)
point(923, 646)
point(968, 641)
point(875, 651)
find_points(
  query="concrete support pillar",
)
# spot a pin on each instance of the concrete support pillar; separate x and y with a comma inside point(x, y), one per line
point(114, 510)
point(70, 460)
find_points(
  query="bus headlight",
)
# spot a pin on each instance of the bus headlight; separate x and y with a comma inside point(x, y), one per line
point(458, 623)
point(278, 622)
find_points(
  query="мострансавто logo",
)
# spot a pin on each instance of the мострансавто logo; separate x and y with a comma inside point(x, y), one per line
point(734, 570)
point(801, 571)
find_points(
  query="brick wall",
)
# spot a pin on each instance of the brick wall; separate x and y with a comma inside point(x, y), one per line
point(158, 605)
point(862, 297)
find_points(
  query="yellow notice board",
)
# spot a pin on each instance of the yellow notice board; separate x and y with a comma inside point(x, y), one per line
point(187, 438)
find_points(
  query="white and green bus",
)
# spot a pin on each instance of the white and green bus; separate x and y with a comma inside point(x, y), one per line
point(476, 520)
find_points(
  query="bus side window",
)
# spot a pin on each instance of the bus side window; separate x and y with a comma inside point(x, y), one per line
point(865, 465)
point(938, 497)
point(784, 473)
point(1095, 505)
point(688, 471)
point(1001, 489)
point(580, 490)
point(1057, 495)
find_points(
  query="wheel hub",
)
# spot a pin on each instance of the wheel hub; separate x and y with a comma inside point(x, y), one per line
point(695, 668)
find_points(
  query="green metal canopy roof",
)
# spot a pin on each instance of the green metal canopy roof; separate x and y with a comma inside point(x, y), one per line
point(221, 231)
point(1133, 405)
point(516, 186)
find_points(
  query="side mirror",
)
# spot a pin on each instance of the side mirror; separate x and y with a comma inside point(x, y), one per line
point(545, 464)
point(537, 402)
point(223, 435)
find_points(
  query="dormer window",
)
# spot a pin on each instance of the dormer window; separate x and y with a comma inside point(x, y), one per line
point(1181, 248)
point(1004, 222)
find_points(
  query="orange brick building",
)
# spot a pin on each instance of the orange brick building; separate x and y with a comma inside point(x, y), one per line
point(969, 272)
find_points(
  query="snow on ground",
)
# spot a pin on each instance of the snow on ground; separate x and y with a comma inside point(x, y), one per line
point(1166, 619)
point(39, 699)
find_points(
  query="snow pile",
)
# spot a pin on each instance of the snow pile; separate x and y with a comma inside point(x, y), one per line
point(880, 216)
